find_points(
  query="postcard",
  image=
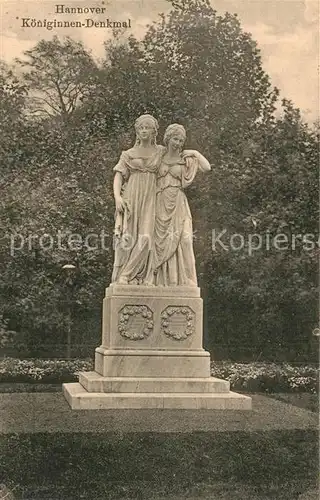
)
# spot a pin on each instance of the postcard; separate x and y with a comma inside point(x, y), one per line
point(159, 330)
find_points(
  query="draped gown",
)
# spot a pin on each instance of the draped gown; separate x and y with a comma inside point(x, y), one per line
point(134, 231)
point(174, 256)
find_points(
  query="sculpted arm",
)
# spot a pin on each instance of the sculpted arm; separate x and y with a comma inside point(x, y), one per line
point(204, 165)
point(117, 184)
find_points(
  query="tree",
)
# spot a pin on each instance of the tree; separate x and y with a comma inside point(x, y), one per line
point(194, 67)
point(12, 116)
point(63, 197)
point(12, 94)
point(269, 295)
point(58, 74)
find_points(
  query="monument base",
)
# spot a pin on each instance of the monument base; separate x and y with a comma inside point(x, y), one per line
point(80, 399)
point(152, 356)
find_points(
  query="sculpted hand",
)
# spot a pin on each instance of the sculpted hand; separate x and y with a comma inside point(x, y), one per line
point(120, 206)
point(189, 153)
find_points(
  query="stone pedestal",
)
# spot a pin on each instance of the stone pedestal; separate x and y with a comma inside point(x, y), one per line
point(151, 355)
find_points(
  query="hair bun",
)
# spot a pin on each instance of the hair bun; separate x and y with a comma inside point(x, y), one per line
point(171, 130)
point(142, 118)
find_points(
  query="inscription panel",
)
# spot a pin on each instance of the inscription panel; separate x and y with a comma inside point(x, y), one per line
point(135, 322)
point(178, 322)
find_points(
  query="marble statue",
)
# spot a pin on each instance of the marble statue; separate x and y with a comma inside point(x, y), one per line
point(135, 195)
point(151, 354)
point(153, 224)
point(173, 236)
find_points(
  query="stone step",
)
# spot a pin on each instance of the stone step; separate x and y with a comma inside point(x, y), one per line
point(182, 363)
point(93, 382)
point(80, 399)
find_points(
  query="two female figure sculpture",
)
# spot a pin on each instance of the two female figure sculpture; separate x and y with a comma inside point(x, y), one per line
point(153, 228)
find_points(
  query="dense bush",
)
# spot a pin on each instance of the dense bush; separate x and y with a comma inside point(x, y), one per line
point(267, 377)
point(251, 377)
point(42, 370)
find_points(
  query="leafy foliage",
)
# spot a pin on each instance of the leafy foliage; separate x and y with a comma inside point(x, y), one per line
point(12, 105)
point(246, 377)
point(42, 370)
point(267, 377)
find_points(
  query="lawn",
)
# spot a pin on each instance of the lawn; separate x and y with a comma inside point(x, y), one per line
point(270, 453)
point(301, 399)
point(100, 466)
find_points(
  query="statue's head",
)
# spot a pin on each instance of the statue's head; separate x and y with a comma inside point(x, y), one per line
point(175, 135)
point(146, 127)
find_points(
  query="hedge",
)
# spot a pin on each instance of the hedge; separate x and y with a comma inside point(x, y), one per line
point(249, 377)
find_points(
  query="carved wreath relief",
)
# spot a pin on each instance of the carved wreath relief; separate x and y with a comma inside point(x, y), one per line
point(135, 322)
point(177, 322)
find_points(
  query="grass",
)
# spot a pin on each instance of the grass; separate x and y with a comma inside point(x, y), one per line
point(10, 387)
point(150, 491)
point(102, 466)
point(263, 465)
point(301, 400)
point(308, 401)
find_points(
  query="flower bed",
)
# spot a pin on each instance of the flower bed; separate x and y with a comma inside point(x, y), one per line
point(267, 377)
point(51, 371)
point(248, 377)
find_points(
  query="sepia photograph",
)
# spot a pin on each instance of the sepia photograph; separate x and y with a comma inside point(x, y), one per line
point(159, 249)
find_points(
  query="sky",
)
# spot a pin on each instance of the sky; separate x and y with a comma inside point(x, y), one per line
point(287, 33)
